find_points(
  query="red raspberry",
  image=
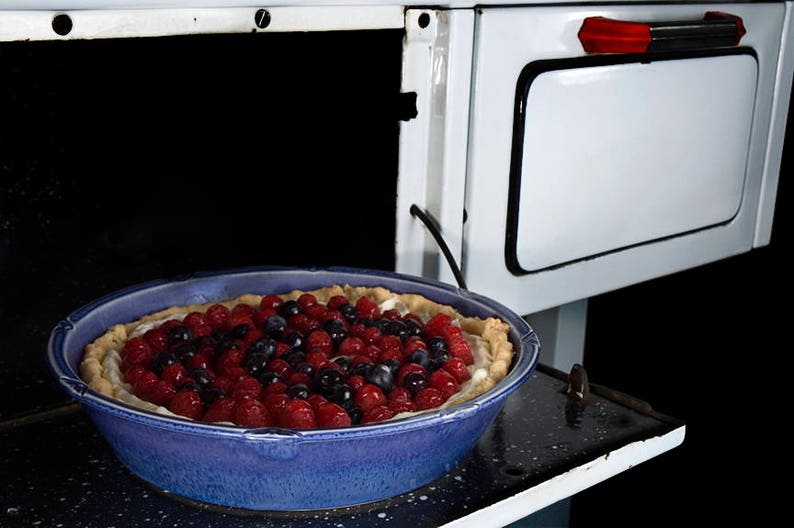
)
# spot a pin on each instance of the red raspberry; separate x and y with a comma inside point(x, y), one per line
point(243, 309)
point(351, 346)
point(355, 382)
point(413, 343)
point(275, 403)
point(252, 413)
point(399, 406)
point(444, 382)
point(236, 373)
point(144, 383)
point(136, 351)
point(278, 387)
point(315, 311)
point(437, 324)
point(202, 361)
point(160, 393)
point(416, 319)
point(391, 314)
point(237, 319)
point(369, 396)
point(317, 400)
point(231, 358)
point(391, 353)
point(252, 335)
point(377, 414)
point(457, 367)
point(399, 394)
point(317, 358)
point(247, 388)
point(198, 323)
point(373, 352)
point(303, 324)
point(320, 340)
point(175, 374)
point(299, 377)
point(298, 414)
point(388, 341)
point(367, 308)
point(133, 372)
point(357, 329)
point(224, 383)
point(332, 415)
point(428, 398)
point(261, 316)
point(218, 316)
point(405, 369)
point(336, 301)
point(171, 323)
point(188, 403)
point(459, 348)
point(370, 335)
point(221, 410)
point(157, 339)
point(280, 367)
point(270, 301)
point(305, 300)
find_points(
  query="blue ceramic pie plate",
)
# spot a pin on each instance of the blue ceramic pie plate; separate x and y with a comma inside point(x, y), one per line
point(280, 469)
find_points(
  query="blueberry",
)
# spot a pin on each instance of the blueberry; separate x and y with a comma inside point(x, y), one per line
point(239, 331)
point(268, 377)
point(178, 334)
point(381, 324)
point(398, 328)
point(263, 345)
point(295, 340)
point(275, 326)
point(298, 391)
point(355, 415)
point(361, 369)
point(336, 329)
point(190, 385)
point(349, 312)
point(342, 362)
point(325, 378)
point(381, 375)
point(393, 364)
point(437, 359)
point(341, 394)
point(201, 376)
point(255, 363)
point(413, 327)
point(420, 356)
point(414, 382)
point(436, 343)
point(289, 308)
point(304, 367)
point(162, 360)
point(293, 357)
point(210, 394)
point(184, 351)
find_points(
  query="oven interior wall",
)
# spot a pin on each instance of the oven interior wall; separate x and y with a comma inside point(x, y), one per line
point(127, 160)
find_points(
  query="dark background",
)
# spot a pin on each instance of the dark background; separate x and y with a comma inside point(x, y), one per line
point(137, 160)
point(712, 346)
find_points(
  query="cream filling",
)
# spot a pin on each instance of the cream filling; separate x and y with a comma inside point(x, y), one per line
point(123, 390)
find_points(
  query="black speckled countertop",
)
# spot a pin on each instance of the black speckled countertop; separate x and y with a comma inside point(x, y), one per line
point(60, 472)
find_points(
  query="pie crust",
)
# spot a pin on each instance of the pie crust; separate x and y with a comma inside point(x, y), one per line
point(493, 350)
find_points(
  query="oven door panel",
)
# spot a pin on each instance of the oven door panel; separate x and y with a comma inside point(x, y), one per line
point(622, 152)
point(590, 172)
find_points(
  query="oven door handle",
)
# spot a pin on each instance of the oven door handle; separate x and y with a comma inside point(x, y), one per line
point(607, 35)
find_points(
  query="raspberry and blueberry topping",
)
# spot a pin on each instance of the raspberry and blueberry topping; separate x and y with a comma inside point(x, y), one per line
point(298, 363)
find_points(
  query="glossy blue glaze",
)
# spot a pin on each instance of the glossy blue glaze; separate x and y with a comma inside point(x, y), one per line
point(279, 469)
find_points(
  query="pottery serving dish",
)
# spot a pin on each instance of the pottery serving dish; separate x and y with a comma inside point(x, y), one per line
point(273, 468)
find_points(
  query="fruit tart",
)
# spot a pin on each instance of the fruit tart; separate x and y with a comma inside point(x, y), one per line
point(332, 357)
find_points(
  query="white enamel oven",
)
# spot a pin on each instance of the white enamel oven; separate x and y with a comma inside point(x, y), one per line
point(537, 153)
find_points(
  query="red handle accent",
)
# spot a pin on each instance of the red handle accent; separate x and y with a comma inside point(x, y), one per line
point(607, 35)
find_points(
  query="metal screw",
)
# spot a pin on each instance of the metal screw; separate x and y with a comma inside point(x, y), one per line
point(62, 24)
point(262, 18)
